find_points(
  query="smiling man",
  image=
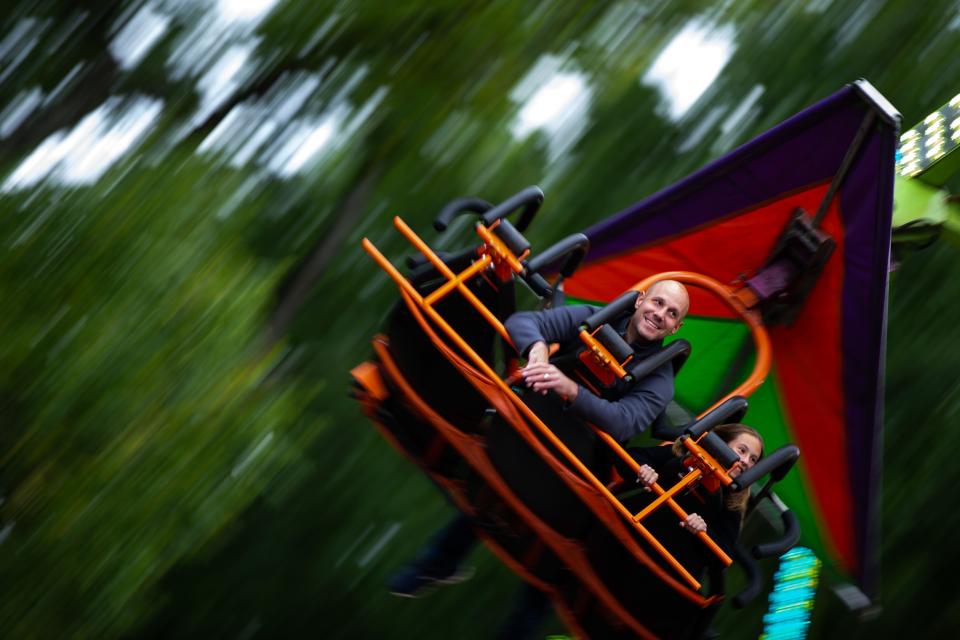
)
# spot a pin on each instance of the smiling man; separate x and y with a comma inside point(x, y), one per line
point(622, 411)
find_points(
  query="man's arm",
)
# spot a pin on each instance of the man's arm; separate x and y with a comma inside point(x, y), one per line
point(634, 412)
point(532, 330)
point(527, 328)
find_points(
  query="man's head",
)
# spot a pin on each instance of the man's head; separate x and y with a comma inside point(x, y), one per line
point(660, 311)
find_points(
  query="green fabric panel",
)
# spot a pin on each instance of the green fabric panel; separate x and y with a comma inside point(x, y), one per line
point(715, 345)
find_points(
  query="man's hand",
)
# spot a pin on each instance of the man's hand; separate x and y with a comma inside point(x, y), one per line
point(543, 377)
point(538, 353)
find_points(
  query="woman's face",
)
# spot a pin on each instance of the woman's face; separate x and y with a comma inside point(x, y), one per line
point(748, 449)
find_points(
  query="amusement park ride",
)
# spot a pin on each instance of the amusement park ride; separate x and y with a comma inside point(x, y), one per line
point(785, 244)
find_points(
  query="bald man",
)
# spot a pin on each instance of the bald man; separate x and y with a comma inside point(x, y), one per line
point(622, 410)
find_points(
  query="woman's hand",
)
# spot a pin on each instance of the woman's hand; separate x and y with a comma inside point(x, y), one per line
point(543, 377)
point(694, 524)
point(647, 476)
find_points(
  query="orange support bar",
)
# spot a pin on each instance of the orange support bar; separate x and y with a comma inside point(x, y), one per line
point(677, 509)
point(435, 260)
point(602, 354)
point(476, 267)
point(664, 496)
point(501, 250)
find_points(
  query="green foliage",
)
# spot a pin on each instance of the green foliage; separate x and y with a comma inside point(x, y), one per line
point(171, 468)
point(140, 422)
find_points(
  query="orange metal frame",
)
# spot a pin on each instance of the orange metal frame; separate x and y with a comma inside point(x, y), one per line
point(601, 356)
point(494, 254)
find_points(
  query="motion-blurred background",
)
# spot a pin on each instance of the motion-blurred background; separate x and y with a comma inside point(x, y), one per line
point(183, 187)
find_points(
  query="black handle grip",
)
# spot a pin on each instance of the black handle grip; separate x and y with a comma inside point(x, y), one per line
point(717, 448)
point(511, 237)
point(754, 577)
point(457, 207)
point(732, 410)
point(619, 306)
point(677, 351)
point(616, 345)
point(538, 285)
point(530, 199)
point(789, 539)
point(778, 462)
point(575, 246)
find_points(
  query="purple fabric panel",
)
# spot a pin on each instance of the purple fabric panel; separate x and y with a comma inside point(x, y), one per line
point(801, 151)
point(866, 201)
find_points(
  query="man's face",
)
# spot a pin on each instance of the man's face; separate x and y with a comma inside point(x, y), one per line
point(660, 311)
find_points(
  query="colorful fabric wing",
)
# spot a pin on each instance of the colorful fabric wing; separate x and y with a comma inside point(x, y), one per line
point(825, 390)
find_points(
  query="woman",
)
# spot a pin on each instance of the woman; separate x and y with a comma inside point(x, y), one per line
point(745, 441)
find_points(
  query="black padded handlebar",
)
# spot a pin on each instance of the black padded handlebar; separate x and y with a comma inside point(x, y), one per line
point(754, 578)
point(539, 285)
point(677, 351)
point(790, 537)
point(530, 199)
point(622, 304)
point(575, 247)
point(511, 237)
point(616, 345)
point(719, 449)
point(776, 464)
point(732, 410)
point(458, 207)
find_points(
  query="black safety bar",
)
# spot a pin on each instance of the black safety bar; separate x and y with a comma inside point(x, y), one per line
point(777, 464)
point(614, 309)
point(530, 199)
point(458, 207)
point(753, 574)
point(574, 247)
point(719, 449)
point(789, 539)
point(676, 352)
point(731, 410)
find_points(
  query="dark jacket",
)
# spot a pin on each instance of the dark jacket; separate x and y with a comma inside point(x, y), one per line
point(623, 411)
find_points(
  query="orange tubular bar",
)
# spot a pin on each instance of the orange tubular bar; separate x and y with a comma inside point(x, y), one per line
point(435, 260)
point(476, 267)
point(664, 496)
point(677, 509)
point(498, 246)
point(528, 413)
point(708, 461)
point(601, 353)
